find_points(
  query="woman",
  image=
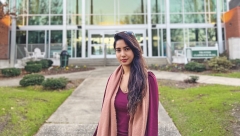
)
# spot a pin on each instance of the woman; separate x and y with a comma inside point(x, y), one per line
point(130, 104)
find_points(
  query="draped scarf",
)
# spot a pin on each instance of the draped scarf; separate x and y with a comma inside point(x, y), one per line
point(107, 125)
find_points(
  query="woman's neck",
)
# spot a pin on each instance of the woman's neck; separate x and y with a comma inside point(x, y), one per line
point(126, 70)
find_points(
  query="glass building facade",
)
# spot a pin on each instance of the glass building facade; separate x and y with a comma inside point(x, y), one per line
point(85, 27)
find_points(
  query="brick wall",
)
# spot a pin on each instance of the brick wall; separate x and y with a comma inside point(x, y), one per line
point(232, 23)
point(4, 37)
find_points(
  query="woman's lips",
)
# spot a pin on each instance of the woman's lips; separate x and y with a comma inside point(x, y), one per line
point(124, 60)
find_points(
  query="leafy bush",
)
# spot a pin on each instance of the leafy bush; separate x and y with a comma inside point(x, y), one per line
point(192, 79)
point(55, 83)
point(33, 68)
point(11, 72)
point(33, 62)
point(220, 64)
point(50, 62)
point(32, 79)
point(44, 63)
point(194, 66)
point(236, 63)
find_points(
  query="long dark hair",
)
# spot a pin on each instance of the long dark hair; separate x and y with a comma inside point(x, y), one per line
point(137, 83)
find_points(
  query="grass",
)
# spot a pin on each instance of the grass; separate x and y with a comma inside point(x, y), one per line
point(24, 110)
point(233, 74)
point(202, 111)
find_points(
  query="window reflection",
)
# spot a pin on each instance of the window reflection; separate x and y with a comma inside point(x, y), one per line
point(155, 39)
point(132, 19)
point(131, 7)
point(157, 6)
point(22, 21)
point(56, 20)
point(21, 6)
point(194, 6)
point(176, 18)
point(74, 6)
point(175, 6)
point(21, 37)
point(36, 36)
point(100, 20)
point(197, 37)
point(56, 6)
point(194, 18)
point(56, 42)
point(38, 6)
point(99, 7)
point(74, 20)
point(38, 20)
point(108, 41)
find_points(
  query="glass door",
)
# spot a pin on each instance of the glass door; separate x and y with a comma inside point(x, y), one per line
point(141, 38)
point(105, 39)
point(108, 43)
point(96, 45)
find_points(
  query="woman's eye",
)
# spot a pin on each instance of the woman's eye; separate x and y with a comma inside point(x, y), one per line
point(126, 49)
point(118, 50)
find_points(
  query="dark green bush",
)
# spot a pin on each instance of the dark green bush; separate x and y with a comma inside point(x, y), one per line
point(220, 64)
point(192, 79)
point(33, 62)
point(33, 68)
point(32, 79)
point(55, 83)
point(194, 66)
point(11, 72)
point(44, 63)
point(50, 62)
point(236, 63)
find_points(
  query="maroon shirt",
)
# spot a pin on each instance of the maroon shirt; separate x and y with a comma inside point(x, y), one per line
point(122, 114)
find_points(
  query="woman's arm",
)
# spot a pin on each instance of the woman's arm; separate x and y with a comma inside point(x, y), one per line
point(152, 123)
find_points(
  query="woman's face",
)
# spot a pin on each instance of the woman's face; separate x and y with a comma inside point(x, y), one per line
point(124, 53)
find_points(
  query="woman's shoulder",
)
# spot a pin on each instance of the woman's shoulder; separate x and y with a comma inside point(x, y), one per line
point(151, 74)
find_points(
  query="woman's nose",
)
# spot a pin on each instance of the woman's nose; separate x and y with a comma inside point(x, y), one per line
point(123, 53)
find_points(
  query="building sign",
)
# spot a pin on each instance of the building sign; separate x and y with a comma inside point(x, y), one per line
point(204, 54)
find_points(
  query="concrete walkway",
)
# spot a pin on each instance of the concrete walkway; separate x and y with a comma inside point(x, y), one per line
point(80, 113)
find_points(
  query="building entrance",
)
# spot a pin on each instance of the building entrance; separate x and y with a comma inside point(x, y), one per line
point(98, 40)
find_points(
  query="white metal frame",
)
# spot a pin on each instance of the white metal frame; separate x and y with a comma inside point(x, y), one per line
point(103, 32)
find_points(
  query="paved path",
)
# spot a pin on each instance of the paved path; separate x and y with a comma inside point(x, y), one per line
point(79, 114)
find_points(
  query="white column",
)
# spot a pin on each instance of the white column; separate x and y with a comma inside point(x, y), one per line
point(219, 27)
point(13, 34)
point(149, 29)
point(168, 27)
point(83, 31)
point(64, 25)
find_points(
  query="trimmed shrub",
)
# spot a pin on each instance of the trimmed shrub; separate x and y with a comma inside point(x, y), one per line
point(236, 63)
point(220, 64)
point(44, 63)
point(33, 62)
point(33, 68)
point(194, 66)
point(192, 79)
point(50, 62)
point(55, 83)
point(32, 79)
point(11, 72)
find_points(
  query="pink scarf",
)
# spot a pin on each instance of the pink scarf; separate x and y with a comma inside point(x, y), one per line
point(108, 123)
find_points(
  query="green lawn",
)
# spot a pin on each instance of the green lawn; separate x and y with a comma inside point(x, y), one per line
point(202, 111)
point(24, 110)
point(233, 74)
